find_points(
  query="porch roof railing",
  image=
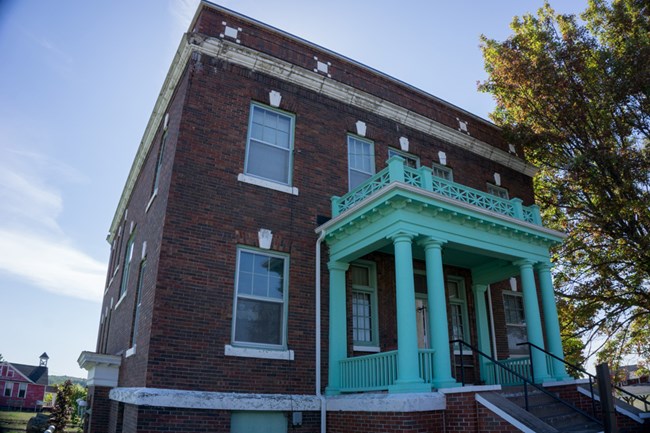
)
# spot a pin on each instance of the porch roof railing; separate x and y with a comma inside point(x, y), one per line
point(423, 177)
point(377, 372)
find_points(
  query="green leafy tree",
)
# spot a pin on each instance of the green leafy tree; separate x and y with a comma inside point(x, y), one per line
point(63, 405)
point(576, 96)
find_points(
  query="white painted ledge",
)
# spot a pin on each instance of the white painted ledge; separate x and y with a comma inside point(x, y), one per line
point(473, 388)
point(267, 184)
point(214, 400)
point(366, 349)
point(130, 352)
point(383, 402)
point(251, 352)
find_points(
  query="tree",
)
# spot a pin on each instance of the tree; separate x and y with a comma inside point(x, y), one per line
point(576, 96)
point(63, 406)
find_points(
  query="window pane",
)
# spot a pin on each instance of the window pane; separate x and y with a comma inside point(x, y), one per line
point(268, 162)
point(452, 290)
point(362, 317)
point(517, 334)
point(357, 178)
point(359, 275)
point(269, 145)
point(259, 322)
point(457, 322)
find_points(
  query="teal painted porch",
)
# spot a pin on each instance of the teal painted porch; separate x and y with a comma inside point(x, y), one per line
point(410, 214)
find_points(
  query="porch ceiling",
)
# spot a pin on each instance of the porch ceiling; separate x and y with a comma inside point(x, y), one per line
point(474, 237)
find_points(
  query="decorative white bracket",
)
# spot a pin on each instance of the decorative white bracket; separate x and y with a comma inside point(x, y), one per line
point(265, 237)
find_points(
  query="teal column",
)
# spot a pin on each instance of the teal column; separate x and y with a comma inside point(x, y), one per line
point(551, 321)
point(408, 376)
point(438, 324)
point(482, 325)
point(533, 319)
point(338, 337)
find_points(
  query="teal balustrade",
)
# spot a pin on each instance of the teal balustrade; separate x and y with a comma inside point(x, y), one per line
point(397, 171)
point(377, 372)
point(495, 375)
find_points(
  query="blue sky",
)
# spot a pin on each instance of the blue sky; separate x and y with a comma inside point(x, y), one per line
point(78, 81)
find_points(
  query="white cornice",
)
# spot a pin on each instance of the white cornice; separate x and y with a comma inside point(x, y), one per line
point(260, 62)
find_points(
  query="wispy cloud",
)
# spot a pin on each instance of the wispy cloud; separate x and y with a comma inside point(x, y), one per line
point(33, 247)
point(183, 12)
point(58, 59)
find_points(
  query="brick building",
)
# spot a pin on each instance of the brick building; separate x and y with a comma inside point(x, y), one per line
point(298, 240)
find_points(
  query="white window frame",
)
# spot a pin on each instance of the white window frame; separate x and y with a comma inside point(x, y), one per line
point(128, 258)
point(460, 302)
point(284, 301)
point(522, 324)
point(371, 291)
point(442, 171)
point(265, 180)
point(351, 139)
point(10, 387)
point(22, 387)
point(498, 191)
point(408, 157)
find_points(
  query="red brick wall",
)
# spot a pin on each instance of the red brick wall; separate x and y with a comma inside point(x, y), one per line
point(384, 422)
point(489, 422)
point(100, 405)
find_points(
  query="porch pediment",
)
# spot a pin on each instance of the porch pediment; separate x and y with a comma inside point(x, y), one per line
point(366, 226)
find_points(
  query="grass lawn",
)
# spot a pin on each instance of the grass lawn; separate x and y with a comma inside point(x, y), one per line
point(15, 422)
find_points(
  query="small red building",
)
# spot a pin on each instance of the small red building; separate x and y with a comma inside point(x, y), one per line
point(23, 386)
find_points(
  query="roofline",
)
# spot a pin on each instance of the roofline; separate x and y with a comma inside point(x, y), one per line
point(20, 372)
point(215, 6)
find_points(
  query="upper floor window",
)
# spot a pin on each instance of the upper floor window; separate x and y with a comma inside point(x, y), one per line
point(260, 311)
point(497, 190)
point(361, 160)
point(128, 257)
point(513, 305)
point(442, 171)
point(161, 154)
point(138, 303)
point(409, 160)
point(270, 144)
point(364, 305)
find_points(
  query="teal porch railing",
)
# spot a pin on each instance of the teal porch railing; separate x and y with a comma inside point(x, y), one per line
point(495, 375)
point(377, 372)
point(397, 171)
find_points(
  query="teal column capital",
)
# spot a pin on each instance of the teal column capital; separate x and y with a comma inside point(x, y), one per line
point(524, 264)
point(431, 243)
point(338, 266)
point(401, 236)
point(479, 289)
point(544, 266)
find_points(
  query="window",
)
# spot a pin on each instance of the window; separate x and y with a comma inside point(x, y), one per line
point(458, 310)
point(361, 161)
point(128, 256)
point(513, 304)
point(22, 390)
point(410, 160)
point(138, 302)
point(8, 387)
point(270, 144)
point(258, 422)
point(497, 190)
point(260, 301)
point(161, 153)
point(442, 172)
point(364, 306)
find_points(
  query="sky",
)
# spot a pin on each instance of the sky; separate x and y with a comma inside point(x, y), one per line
point(78, 82)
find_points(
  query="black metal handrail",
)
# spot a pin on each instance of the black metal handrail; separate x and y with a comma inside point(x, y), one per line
point(527, 382)
point(592, 378)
